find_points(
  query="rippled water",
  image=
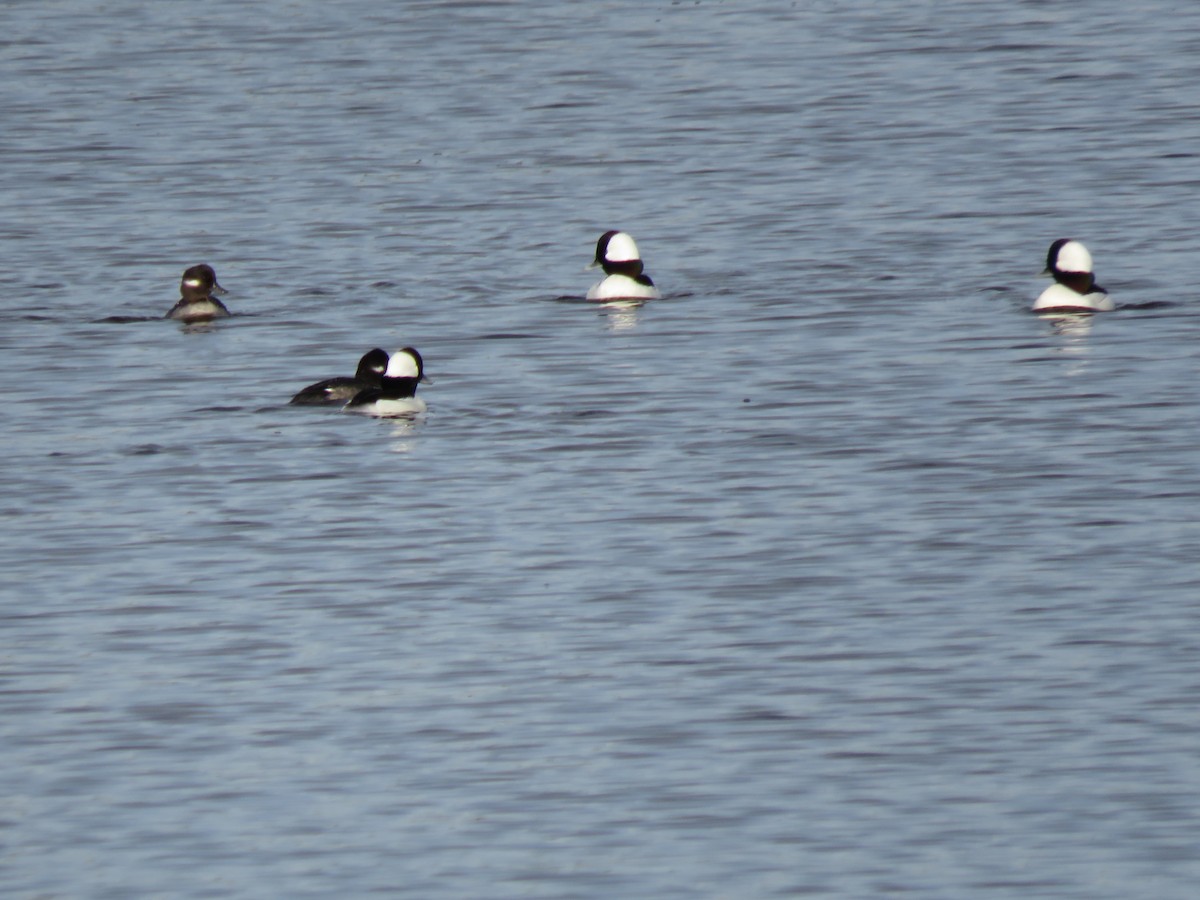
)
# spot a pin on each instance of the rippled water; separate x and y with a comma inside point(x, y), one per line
point(833, 573)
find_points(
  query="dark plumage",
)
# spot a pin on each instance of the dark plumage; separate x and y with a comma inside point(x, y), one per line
point(338, 390)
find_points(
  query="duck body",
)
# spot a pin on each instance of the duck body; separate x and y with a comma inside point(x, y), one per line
point(338, 390)
point(1061, 297)
point(624, 287)
point(396, 394)
point(1074, 288)
point(618, 256)
point(196, 301)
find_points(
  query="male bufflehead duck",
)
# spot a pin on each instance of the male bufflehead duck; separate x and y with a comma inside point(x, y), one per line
point(197, 303)
point(1074, 287)
point(618, 255)
point(397, 391)
point(338, 390)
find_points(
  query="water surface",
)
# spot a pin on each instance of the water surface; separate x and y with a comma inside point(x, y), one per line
point(833, 573)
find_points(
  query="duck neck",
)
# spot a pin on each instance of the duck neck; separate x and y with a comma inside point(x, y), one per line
point(1079, 282)
point(630, 267)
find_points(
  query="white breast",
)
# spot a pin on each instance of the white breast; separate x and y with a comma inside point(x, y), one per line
point(616, 287)
point(1059, 296)
point(385, 409)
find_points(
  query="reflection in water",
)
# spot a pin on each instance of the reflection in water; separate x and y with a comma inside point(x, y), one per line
point(622, 315)
point(201, 327)
point(1074, 329)
point(404, 431)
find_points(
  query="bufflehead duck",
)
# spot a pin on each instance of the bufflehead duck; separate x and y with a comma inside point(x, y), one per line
point(1074, 285)
point(618, 255)
point(397, 391)
point(338, 390)
point(197, 303)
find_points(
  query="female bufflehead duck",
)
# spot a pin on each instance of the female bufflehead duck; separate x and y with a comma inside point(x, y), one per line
point(397, 391)
point(618, 255)
point(1074, 287)
point(338, 390)
point(197, 303)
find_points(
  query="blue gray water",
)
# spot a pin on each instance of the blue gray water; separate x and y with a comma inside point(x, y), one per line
point(833, 573)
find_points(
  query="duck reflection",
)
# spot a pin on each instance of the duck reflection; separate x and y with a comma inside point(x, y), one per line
point(403, 431)
point(1074, 331)
point(621, 315)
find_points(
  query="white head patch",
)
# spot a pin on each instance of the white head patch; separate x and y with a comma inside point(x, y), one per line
point(621, 248)
point(1073, 257)
point(402, 365)
point(193, 282)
